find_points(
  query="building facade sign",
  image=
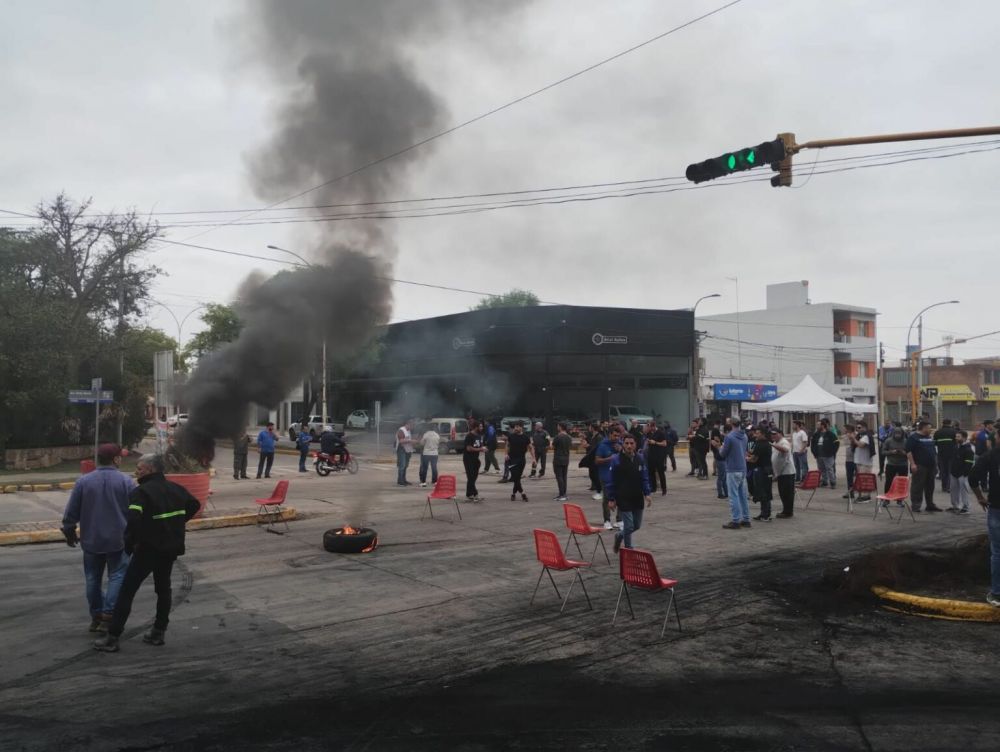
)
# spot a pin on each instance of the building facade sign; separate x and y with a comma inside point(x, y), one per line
point(948, 393)
point(609, 339)
point(744, 392)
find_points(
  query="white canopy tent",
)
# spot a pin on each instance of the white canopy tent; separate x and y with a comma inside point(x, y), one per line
point(809, 397)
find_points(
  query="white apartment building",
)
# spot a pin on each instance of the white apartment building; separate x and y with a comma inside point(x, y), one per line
point(757, 355)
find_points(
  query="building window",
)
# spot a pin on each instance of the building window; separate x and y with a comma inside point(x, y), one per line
point(865, 328)
point(991, 376)
point(897, 378)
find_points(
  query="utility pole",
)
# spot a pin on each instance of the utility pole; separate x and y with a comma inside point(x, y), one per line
point(882, 409)
point(121, 335)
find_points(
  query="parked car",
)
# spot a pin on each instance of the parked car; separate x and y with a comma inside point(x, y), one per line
point(177, 420)
point(452, 431)
point(357, 419)
point(507, 423)
point(627, 413)
point(314, 427)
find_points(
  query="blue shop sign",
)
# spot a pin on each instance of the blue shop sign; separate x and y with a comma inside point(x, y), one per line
point(745, 392)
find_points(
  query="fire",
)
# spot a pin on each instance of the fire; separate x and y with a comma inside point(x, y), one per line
point(371, 547)
point(348, 531)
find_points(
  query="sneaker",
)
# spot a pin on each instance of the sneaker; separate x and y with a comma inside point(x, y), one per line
point(96, 625)
point(154, 636)
point(620, 525)
point(478, 499)
point(608, 525)
point(746, 523)
point(618, 543)
point(963, 511)
point(423, 485)
point(934, 509)
point(782, 516)
point(762, 518)
point(953, 510)
point(846, 496)
point(524, 497)
point(993, 599)
point(561, 498)
point(513, 497)
point(107, 644)
point(597, 497)
point(731, 526)
point(863, 500)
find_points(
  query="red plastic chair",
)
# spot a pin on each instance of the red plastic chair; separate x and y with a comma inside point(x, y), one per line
point(551, 556)
point(445, 488)
point(576, 523)
point(810, 483)
point(270, 508)
point(899, 491)
point(638, 569)
point(864, 485)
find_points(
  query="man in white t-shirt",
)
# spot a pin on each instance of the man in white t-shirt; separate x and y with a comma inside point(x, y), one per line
point(404, 450)
point(783, 466)
point(864, 452)
point(430, 442)
point(800, 450)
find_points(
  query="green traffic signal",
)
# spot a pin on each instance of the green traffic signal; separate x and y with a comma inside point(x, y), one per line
point(731, 162)
point(768, 152)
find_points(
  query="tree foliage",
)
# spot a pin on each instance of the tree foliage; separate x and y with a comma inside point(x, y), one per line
point(510, 299)
point(68, 289)
point(224, 325)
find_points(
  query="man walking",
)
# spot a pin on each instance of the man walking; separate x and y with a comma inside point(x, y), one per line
point(944, 443)
point(561, 444)
point(963, 458)
point(672, 439)
point(266, 442)
point(605, 451)
point(922, 457)
point(540, 443)
point(628, 490)
point(99, 502)
point(404, 451)
point(734, 454)
point(518, 447)
point(431, 443)
point(157, 513)
point(490, 442)
point(986, 472)
point(470, 458)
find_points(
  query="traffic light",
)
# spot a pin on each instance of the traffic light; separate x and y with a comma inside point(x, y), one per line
point(784, 166)
point(769, 152)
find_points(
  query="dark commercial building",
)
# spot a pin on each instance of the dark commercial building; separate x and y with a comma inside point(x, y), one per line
point(539, 361)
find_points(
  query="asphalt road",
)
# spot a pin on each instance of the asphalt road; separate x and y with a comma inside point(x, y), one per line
point(428, 643)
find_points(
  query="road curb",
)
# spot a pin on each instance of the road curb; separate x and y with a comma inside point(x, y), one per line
point(935, 608)
point(54, 535)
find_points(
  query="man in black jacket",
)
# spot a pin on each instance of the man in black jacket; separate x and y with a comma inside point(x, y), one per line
point(963, 458)
point(944, 443)
point(628, 490)
point(154, 536)
point(987, 471)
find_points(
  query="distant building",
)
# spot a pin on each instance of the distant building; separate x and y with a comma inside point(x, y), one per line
point(968, 393)
point(758, 355)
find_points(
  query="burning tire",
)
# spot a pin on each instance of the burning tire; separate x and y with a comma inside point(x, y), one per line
point(349, 540)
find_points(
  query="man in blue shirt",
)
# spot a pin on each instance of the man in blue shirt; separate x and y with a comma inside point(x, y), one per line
point(628, 489)
point(733, 453)
point(266, 441)
point(99, 502)
point(602, 458)
point(922, 455)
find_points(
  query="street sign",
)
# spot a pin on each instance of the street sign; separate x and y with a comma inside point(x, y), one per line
point(85, 396)
point(96, 384)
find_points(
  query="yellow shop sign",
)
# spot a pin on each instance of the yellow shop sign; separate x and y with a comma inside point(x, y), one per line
point(948, 393)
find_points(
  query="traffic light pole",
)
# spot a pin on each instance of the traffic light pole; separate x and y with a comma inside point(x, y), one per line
point(886, 138)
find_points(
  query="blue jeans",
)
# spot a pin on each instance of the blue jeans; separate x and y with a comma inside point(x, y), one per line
point(402, 462)
point(631, 521)
point(93, 571)
point(720, 480)
point(993, 529)
point(432, 461)
point(303, 453)
point(739, 504)
point(828, 470)
point(801, 460)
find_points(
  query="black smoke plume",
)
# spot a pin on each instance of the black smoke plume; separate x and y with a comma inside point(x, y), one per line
point(351, 96)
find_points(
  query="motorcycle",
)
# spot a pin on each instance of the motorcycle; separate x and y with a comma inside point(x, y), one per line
point(335, 463)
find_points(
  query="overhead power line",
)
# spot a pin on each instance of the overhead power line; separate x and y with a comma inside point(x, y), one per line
point(491, 112)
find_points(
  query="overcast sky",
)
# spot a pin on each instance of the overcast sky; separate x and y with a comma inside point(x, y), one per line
point(159, 105)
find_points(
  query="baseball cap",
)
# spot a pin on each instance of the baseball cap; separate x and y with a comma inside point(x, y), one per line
point(107, 452)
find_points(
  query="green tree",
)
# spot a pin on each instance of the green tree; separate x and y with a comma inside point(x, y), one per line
point(511, 299)
point(224, 325)
point(68, 288)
